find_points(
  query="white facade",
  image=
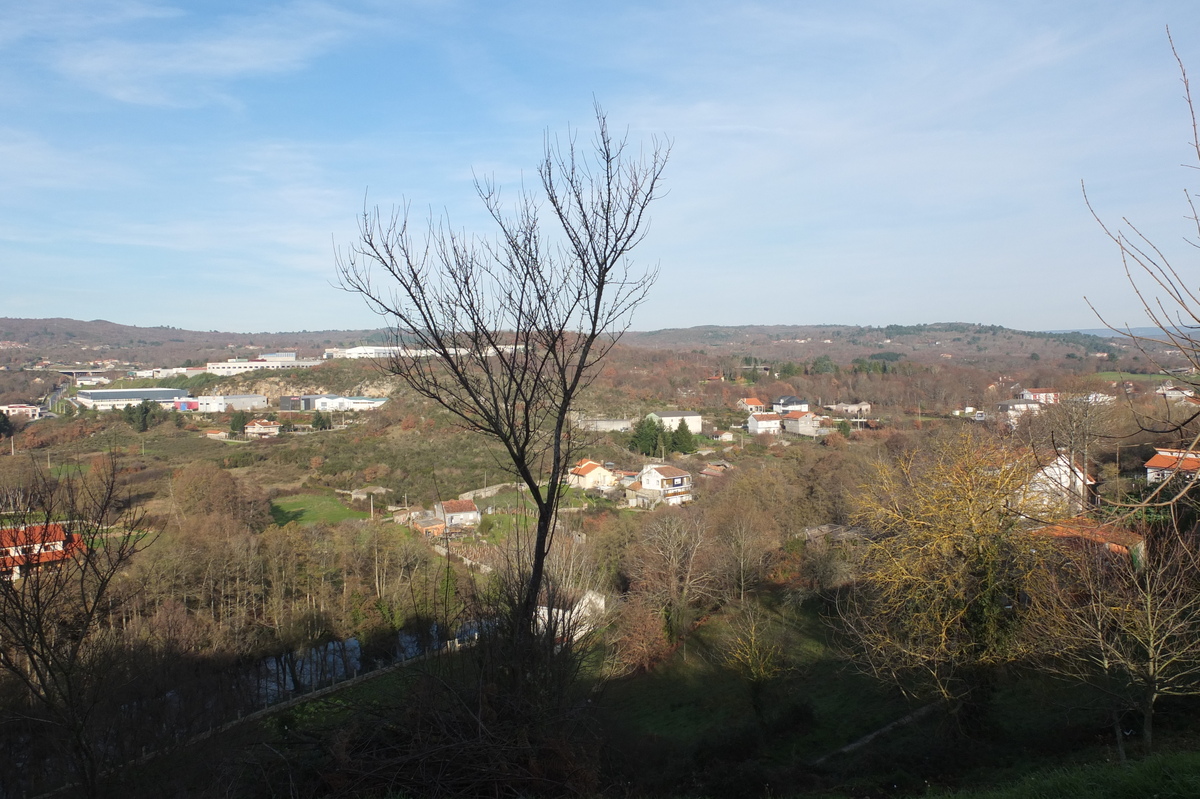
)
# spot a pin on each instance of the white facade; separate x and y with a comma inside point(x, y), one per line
point(770, 423)
point(114, 399)
point(605, 425)
point(347, 403)
point(670, 420)
point(21, 409)
point(660, 483)
point(262, 428)
point(1045, 396)
point(802, 424)
point(851, 408)
point(237, 366)
point(1063, 485)
point(589, 474)
point(788, 404)
point(232, 402)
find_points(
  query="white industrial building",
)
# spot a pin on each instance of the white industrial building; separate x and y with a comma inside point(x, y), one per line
point(231, 402)
point(112, 399)
point(670, 420)
point(269, 360)
point(324, 403)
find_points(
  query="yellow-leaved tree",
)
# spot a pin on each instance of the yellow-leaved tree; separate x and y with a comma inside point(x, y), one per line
point(951, 567)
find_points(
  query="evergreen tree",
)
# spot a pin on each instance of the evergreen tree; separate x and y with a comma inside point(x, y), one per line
point(682, 439)
point(648, 436)
point(237, 422)
point(6, 427)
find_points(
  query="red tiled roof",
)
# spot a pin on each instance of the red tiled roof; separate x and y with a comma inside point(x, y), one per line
point(1179, 460)
point(766, 417)
point(670, 471)
point(31, 534)
point(35, 535)
point(798, 414)
point(1084, 529)
point(585, 468)
point(458, 506)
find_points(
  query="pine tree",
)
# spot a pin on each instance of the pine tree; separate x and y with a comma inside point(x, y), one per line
point(682, 439)
point(648, 436)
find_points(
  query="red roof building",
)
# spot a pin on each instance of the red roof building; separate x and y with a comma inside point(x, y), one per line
point(1167, 463)
point(29, 547)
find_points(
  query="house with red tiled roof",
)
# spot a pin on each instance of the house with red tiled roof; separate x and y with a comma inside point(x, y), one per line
point(1168, 463)
point(802, 423)
point(589, 474)
point(752, 404)
point(1083, 532)
point(458, 512)
point(262, 428)
point(657, 483)
point(29, 547)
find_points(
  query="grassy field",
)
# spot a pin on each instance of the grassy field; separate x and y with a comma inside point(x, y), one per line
point(312, 509)
point(1167, 776)
point(1114, 376)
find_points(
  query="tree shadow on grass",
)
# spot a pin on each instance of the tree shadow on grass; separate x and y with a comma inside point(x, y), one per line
point(282, 516)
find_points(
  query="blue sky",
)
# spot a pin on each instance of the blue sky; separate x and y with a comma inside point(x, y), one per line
point(194, 164)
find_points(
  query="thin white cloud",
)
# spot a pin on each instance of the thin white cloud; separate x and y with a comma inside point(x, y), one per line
point(187, 67)
point(30, 162)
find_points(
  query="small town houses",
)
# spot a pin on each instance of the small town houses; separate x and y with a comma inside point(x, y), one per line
point(764, 423)
point(26, 548)
point(1167, 463)
point(590, 475)
point(658, 483)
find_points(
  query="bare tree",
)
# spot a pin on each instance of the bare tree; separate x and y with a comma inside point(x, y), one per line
point(672, 567)
point(1170, 305)
point(1128, 623)
point(505, 333)
point(66, 549)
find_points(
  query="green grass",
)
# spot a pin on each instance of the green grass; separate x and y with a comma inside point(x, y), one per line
point(693, 695)
point(1167, 776)
point(312, 509)
point(1133, 377)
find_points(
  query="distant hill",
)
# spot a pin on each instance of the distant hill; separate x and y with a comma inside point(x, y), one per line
point(24, 342)
point(958, 342)
point(70, 341)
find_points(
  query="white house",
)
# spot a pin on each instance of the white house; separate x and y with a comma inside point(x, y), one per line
point(1064, 484)
point(1044, 396)
point(589, 474)
point(770, 423)
point(851, 408)
point(657, 483)
point(804, 423)
point(262, 428)
point(21, 409)
point(789, 403)
point(606, 425)
point(1015, 409)
point(671, 419)
point(461, 512)
point(751, 405)
point(1172, 392)
point(1166, 463)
